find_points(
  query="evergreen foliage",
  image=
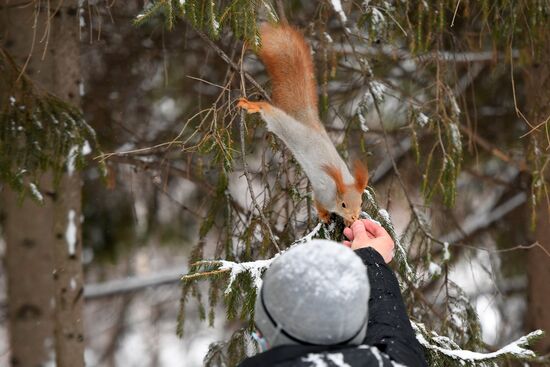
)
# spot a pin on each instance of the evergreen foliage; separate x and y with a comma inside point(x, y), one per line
point(38, 132)
point(423, 32)
point(211, 16)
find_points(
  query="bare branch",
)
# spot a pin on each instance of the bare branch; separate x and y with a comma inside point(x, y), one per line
point(133, 284)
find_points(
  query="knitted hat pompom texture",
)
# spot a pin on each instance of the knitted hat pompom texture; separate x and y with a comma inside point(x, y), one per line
point(314, 293)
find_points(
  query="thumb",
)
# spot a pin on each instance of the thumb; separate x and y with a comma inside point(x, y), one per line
point(359, 231)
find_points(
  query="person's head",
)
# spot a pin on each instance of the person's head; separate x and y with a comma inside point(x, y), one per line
point(315, 293)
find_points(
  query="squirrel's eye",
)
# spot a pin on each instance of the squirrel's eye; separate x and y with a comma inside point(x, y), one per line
point(343, 205)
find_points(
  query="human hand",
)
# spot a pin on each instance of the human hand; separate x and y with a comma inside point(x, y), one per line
point(366, 233)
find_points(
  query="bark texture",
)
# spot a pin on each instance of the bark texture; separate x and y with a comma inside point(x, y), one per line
point(44, 246)
point(29, 263)
point(538, 263)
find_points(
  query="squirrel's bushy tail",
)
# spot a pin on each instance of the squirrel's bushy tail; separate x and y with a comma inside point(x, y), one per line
point(288, 60)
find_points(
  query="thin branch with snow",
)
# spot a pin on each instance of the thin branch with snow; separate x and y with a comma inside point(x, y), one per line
point(516, 349)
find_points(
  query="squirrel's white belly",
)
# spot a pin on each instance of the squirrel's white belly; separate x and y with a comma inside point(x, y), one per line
point(313, 149)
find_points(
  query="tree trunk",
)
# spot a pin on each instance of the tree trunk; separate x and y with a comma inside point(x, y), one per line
point(56, 227)
point(538, 263)
point(29, 263)
point(68, 275)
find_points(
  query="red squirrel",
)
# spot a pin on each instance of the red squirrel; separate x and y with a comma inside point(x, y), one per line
point(294, 118)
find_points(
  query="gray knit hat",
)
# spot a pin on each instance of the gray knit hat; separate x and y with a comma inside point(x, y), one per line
point(315, 293)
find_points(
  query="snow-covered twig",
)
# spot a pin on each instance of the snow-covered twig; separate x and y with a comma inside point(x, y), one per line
point(337, 5)
point(472, 224)
point(516, 349)
point(385, 221)
point(308, 237)
point(254, 268)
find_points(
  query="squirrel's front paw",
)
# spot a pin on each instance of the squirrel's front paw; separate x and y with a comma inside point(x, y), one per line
point(250, 107)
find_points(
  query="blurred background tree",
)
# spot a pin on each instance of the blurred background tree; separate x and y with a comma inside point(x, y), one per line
point(446, 101)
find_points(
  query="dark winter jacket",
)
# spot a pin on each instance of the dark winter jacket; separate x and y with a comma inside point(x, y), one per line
point(389, 333)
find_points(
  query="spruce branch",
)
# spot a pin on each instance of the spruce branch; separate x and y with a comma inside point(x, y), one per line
point(444, 351)
point(38, 132)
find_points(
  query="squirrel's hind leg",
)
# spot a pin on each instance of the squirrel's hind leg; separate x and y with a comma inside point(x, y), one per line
point(252, 107)
point(324, 215)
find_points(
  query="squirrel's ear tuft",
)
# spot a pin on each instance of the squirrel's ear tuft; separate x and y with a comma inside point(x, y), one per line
point(361, 176)
point(336, 175)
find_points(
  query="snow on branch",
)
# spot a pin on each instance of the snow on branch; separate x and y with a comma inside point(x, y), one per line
point(517, 349)
point(337, 5)
point(254, 268)
point(383, 219)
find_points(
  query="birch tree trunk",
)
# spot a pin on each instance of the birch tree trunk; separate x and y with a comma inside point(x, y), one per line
point(538, 263)
point(44, 243)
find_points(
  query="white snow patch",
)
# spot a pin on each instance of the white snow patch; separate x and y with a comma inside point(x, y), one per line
point(70, 233)
point(315, 359)
point(215, 25)
point(337, 359)
point(446, 252)
point(363, 122)
point(72, 284)
point(366, 215)
point(458, 321)
point(377, 17)
point(71, 157)
point(376, 353)
point(12, 101)
point(255, 268)
point(337, 5)
point(421, 119)
point(385, 215)
point(82, 21)
point(86, 149)
point(36, 193)
point(454, 105)
point(515, 348)
point(169, 108)
point(378, 90)
point(455, 136)
point(308, 237)
point(434, 269)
